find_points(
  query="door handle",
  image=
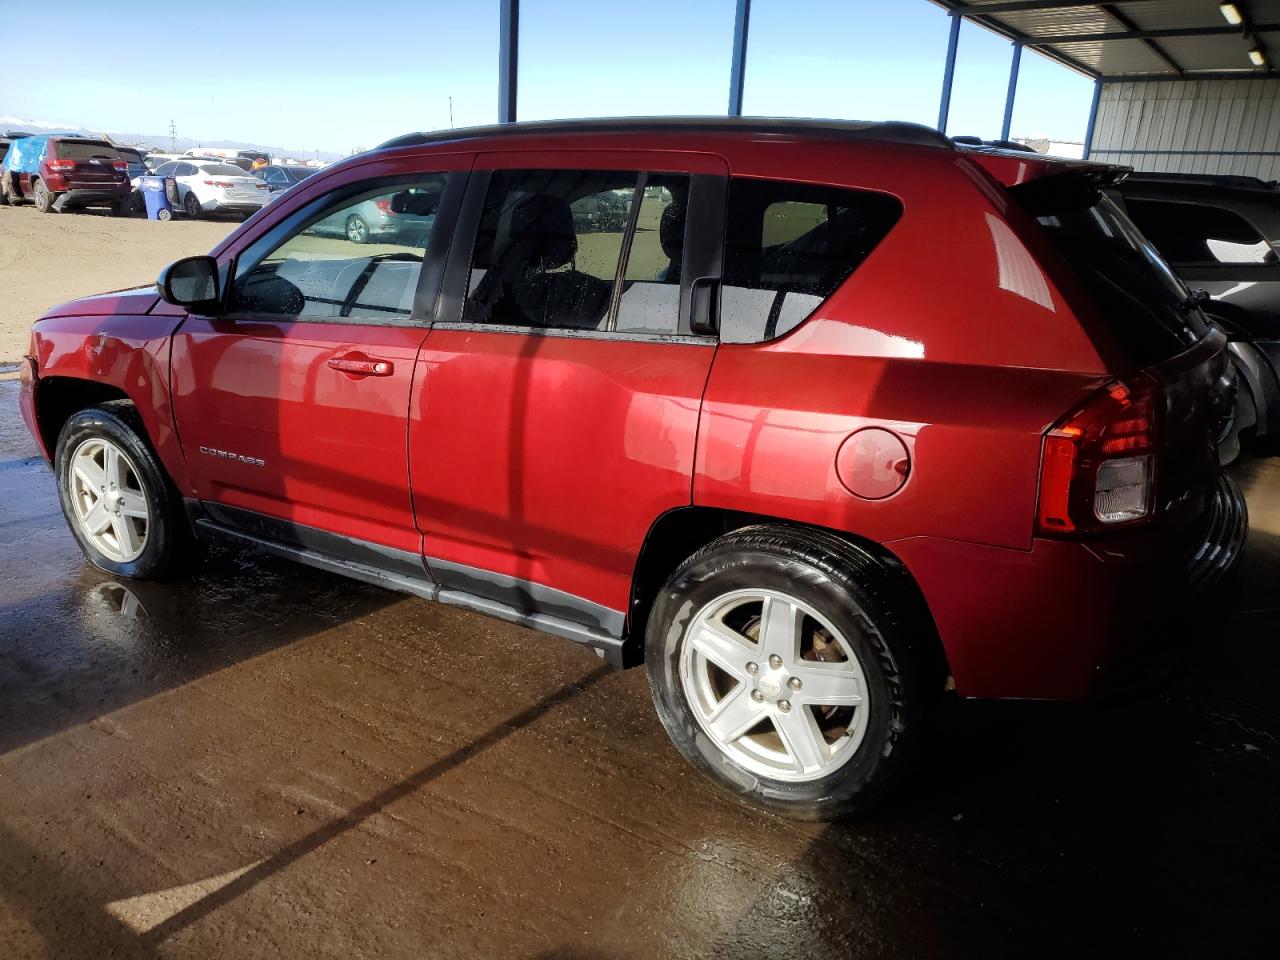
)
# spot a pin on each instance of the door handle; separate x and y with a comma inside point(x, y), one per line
point(358, 365)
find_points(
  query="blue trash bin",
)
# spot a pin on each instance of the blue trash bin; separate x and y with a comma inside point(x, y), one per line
point(156, 193)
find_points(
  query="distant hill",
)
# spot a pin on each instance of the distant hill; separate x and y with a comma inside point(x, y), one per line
point(160, 141)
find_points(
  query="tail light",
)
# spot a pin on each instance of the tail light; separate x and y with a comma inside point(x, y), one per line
point(224, 184)
point(62, 166)
point(1098, 465)
point(120, 166)
point(384, 204)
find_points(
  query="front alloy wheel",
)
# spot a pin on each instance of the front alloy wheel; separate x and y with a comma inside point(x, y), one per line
point(108, 500)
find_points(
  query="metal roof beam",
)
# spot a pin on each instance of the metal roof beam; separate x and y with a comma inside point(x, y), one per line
point(1110, 10)
point(1171, 33)
point(1023, 6)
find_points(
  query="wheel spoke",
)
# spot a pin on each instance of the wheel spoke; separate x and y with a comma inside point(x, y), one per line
point(97, 519)
point(734, 715)
point(780, 629)
point(89, 473)
point(133, 504)
point(726, 648)
point(126, 540)
point(831, 684)
point(802, 738)
point(112, 465)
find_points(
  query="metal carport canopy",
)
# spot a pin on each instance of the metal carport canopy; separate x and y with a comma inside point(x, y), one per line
point(1137, 39)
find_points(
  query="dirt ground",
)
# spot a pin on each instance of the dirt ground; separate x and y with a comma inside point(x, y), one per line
point(46, 259)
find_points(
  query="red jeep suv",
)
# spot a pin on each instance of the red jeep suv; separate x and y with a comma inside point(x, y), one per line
point(822, 420)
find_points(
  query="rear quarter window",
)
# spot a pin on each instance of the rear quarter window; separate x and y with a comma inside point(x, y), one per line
point(788, 246)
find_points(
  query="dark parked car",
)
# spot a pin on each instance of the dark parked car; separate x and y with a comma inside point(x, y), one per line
point(64, 173)
point(280, 177)
point(752, 435)
point(136, 160)
point(1220, 234)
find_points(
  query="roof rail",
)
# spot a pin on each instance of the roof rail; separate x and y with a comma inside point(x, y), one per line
point(890, 131)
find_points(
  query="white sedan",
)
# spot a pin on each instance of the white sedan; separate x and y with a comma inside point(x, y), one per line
point(213, 186)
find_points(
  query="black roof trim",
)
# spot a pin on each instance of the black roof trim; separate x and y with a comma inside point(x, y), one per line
point(891, 131)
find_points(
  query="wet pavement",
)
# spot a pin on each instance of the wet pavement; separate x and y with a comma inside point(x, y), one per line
point(269, 761)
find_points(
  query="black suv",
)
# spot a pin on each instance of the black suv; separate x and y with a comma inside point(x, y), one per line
point(1220, 234)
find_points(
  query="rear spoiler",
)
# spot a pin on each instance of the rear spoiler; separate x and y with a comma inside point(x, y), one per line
point(1075, 188)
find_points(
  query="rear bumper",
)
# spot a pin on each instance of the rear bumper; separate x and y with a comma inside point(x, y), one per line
point(83, 197)
point(1069, 619)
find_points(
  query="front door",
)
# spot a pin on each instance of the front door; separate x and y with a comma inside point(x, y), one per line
point(555, 411)
point(294, 403)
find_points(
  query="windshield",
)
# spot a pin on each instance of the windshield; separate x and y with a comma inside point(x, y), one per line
point(1144, 302)
point(85, 150)
point(221, 170)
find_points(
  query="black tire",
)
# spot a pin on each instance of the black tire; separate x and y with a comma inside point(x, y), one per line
point(170, 547)
point(44, 198)
point(865, 599)
point(1242, 422)
point(357, 229)
point(191, 206)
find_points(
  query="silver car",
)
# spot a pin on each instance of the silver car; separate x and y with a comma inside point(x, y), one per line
point(392, 218)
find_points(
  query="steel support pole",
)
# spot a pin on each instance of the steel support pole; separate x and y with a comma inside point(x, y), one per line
point(1093, 118)
point(508, 58)
point(949, 73)
point(1012, 95)
point(738, 69)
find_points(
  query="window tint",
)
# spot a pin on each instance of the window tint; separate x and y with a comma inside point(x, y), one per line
point(167, 169)
point(183, 170)
point(650, 300)
point(356, 261)
point(548, 247)
point(274, 175)
point(86, 150)
point(220, 170)
point(1196, 233)
point(1142, 300)
point(788, 246)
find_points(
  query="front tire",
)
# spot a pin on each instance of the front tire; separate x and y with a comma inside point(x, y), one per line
point(116, 497)
point(191, 205)
point(790, 667)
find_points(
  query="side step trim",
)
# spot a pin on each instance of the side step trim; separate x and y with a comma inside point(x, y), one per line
point(606, 644)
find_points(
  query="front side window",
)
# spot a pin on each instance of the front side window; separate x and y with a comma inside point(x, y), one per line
point(1196, 233)
point(788, 246)
point(357, 260)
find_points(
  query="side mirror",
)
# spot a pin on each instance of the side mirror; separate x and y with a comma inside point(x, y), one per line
point(192, 283)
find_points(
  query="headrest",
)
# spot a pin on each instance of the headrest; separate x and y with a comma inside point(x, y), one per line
point(671, 231)
point(542, 231)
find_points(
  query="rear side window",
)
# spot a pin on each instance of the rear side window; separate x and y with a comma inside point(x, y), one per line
point(85, 150)
point(592, 250)
point(1196, 233)
point(788, 246)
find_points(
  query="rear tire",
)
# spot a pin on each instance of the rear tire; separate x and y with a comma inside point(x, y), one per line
point(813, 753)
point(117, 499)
point(44, 198)
point(121, 208)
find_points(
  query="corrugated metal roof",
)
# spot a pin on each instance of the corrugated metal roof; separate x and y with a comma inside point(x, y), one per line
point(1171, 39)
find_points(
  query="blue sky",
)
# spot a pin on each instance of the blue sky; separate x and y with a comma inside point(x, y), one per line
point(327, 75)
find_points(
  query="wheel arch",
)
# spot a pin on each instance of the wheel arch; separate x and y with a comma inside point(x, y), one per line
point(57, 398)
point(677, 534)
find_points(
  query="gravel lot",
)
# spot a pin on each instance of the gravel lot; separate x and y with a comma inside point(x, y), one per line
point(46, 259)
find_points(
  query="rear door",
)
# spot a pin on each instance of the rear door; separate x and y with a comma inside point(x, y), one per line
point(556, 403)
point(292, 404)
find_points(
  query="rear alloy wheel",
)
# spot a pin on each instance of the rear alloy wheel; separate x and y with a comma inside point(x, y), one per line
point(357, 229)
point(191, 205)
point(792, 668)
point(43, 198)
